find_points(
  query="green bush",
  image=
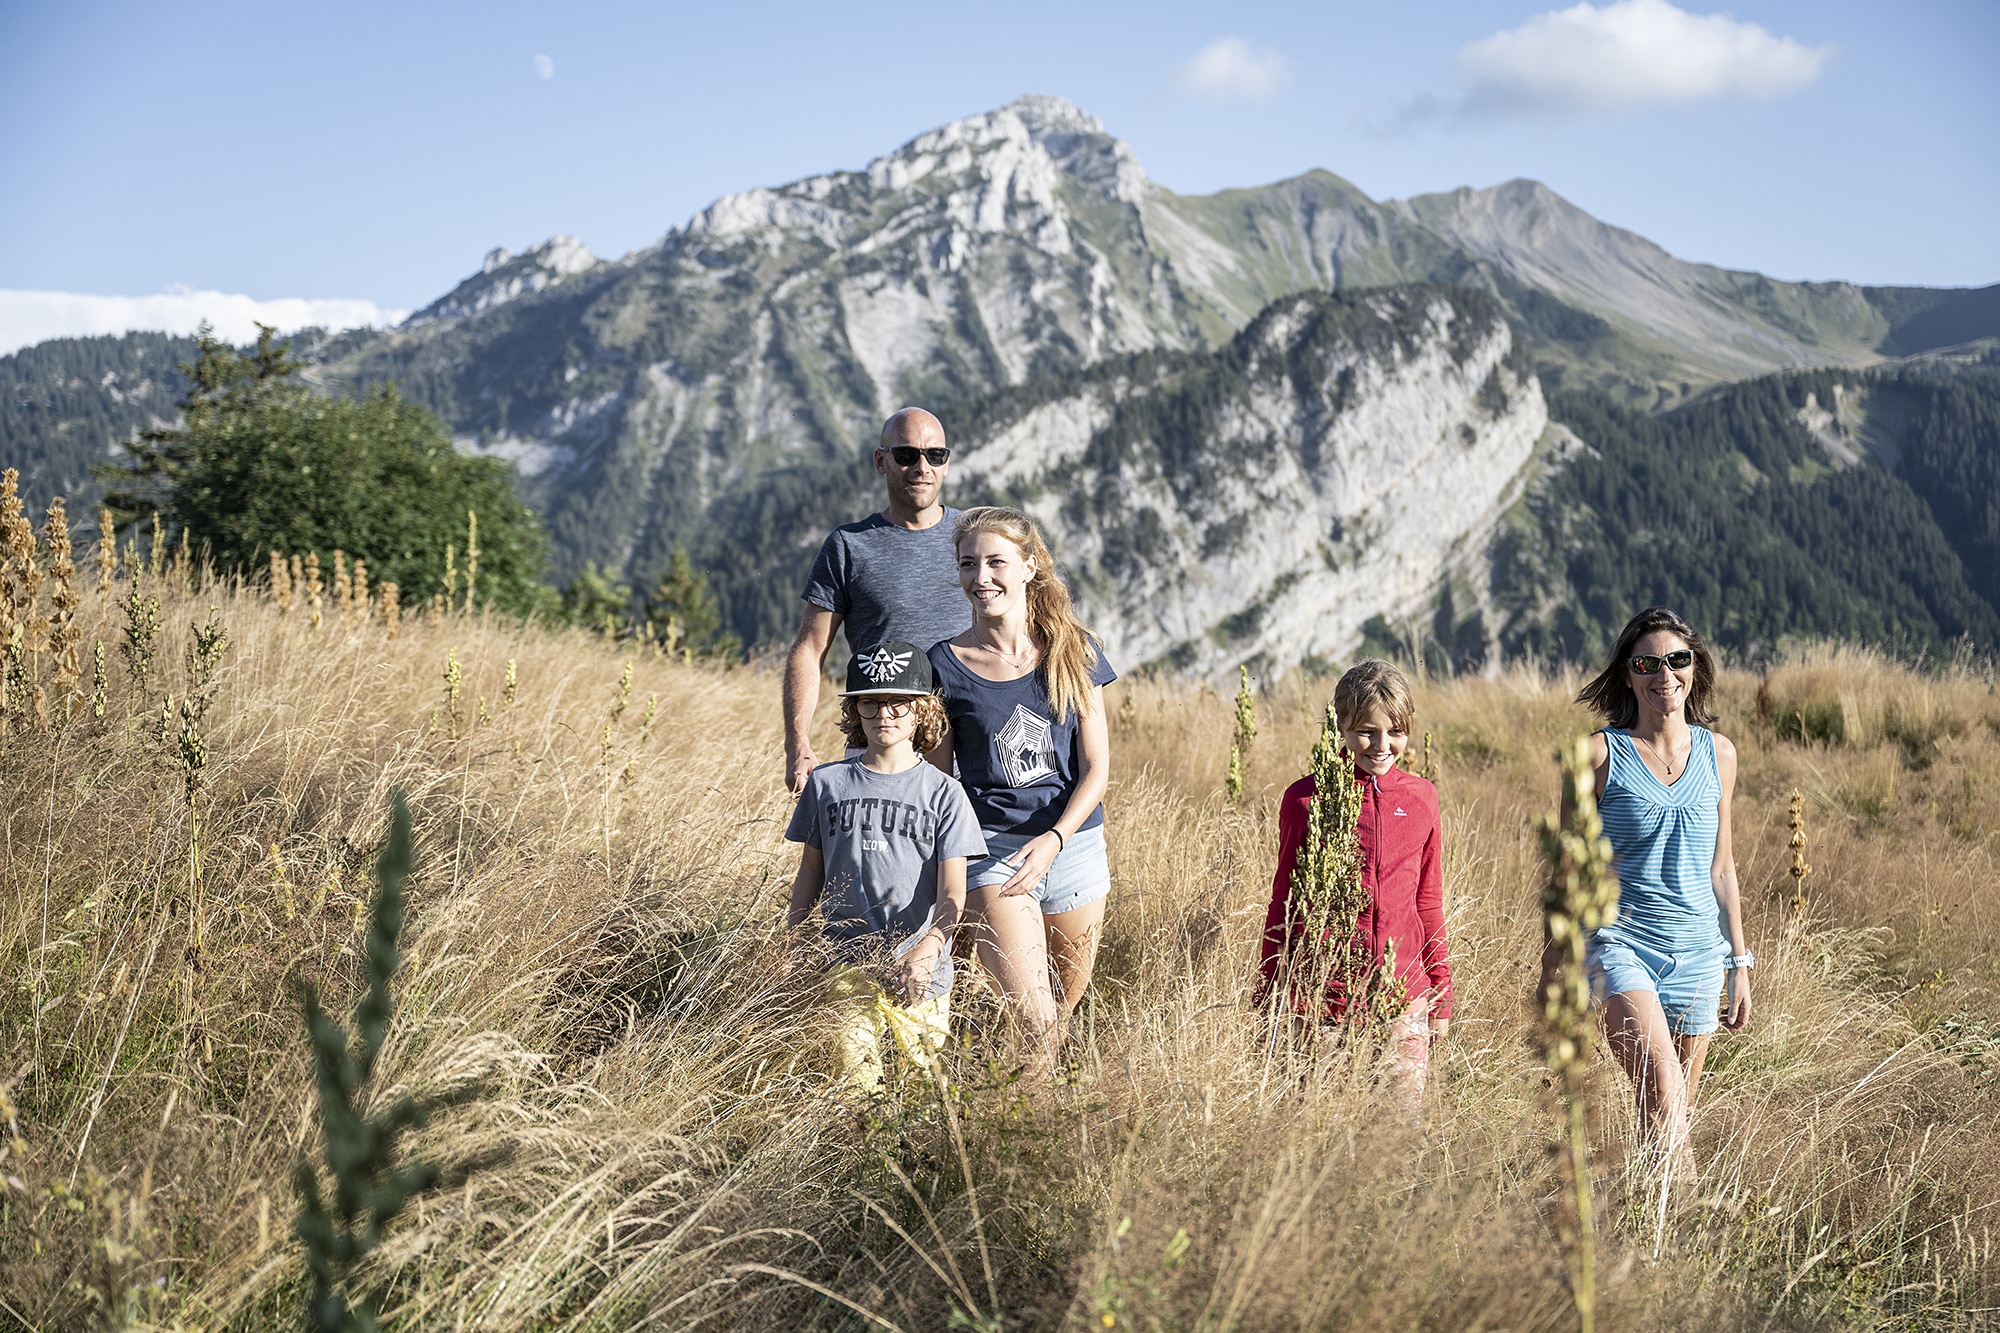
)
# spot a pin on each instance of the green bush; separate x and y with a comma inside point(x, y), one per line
point(259, 463)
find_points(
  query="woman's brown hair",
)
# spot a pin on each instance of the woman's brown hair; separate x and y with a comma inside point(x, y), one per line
point(929, 712)
point(1068, 652)
point(1610, 694)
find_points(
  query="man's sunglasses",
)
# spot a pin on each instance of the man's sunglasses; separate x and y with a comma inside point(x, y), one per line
point(906, 455)
point(1649, 664)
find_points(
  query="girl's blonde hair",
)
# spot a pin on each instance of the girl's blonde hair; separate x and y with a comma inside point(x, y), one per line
point(929, 713)
point(1374, 684)
point(1068, 651)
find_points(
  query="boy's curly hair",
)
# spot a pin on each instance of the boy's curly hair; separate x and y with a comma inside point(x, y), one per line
point(929, 713)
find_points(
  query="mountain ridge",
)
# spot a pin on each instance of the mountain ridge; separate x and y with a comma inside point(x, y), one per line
point(719, 388)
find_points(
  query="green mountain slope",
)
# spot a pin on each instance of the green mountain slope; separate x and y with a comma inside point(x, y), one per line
point(1863, 507)
point(65, 403)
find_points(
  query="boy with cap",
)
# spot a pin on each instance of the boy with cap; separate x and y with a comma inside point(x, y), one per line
point(885, 840)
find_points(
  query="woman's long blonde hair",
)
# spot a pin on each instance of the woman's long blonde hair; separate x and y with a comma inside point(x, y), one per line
point(1067, 649)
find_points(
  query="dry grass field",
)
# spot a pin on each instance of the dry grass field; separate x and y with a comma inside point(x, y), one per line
point(644, 1134)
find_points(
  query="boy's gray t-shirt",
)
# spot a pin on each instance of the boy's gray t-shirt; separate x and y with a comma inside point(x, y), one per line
point(882, 836)
point(891, 584)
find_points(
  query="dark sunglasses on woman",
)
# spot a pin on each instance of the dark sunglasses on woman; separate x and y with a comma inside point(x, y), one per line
point(906, 455)
point(1648, 664)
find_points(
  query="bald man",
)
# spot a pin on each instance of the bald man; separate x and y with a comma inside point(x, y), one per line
point(892, 577)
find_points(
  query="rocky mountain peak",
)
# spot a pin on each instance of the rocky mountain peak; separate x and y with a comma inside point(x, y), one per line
point(504, 275)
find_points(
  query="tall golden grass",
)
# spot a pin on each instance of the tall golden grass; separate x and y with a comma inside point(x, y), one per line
point(655, 1140)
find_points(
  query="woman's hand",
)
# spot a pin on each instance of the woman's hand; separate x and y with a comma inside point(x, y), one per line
point(1739, 1000)
point(1440, 1029)
point(1030, 863)
point(918, 969)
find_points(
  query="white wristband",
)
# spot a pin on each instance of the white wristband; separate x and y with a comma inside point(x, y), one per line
point(1742, 960)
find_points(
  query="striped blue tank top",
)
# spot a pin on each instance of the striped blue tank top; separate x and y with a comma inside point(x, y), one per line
point(1663, 848)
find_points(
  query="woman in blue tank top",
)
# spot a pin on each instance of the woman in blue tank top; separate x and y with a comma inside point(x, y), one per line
point(1664, 783)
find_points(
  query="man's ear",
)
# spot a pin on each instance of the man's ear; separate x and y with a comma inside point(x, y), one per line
point(881, 468)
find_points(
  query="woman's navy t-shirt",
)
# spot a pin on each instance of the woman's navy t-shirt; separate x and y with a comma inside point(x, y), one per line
point(1018, 763)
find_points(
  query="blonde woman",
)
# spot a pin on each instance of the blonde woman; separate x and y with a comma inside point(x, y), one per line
point(1024, 692)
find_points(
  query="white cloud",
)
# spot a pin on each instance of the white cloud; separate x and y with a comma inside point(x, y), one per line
point(1228, 70)
point(28, 317)
point(545, 67)
point(1630, 54)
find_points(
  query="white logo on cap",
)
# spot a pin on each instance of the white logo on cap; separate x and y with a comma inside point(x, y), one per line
point(882, 665)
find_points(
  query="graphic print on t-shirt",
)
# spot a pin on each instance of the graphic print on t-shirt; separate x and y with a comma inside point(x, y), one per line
point(1023, 747)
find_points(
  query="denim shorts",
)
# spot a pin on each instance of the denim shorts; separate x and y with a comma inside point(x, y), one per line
point(1688, 985)
point(1080, 874)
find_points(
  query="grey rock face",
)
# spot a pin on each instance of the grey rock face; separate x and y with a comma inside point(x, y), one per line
point(720, 389)
point(1261, 504)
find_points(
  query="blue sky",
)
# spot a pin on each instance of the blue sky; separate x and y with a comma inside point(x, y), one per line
point(374, 152)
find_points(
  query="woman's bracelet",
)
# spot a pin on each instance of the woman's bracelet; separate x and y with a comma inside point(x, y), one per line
point(1062, 843)
point(1738, 961)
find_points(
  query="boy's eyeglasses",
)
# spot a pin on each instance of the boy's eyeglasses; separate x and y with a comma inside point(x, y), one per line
point(1649, 664)
point(873, 708)
point(906, 455)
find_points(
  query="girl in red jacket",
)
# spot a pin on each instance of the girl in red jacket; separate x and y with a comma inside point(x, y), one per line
point(1401, 846)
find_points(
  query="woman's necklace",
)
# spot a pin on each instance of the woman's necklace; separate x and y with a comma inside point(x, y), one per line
point(1666, 759)
point(1025, 657)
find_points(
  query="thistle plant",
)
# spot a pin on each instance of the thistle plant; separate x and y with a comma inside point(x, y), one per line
point(107, 551)
point(392, 608)
point(99, 691)
point(21, 574)
point(343, 589)
point(359, 1154)
point(142, 631)
point(471, 556)
point(312, 586)
point(624, 695)
point(1580, 895)
point(1246, 733)
point(511, 685)
point(453, 676)
point(1799, 869)
point(281, 584)
point(204, 654)
point(1329, 957)
point(1246, 710)
point(64, 633)
point(361, 603)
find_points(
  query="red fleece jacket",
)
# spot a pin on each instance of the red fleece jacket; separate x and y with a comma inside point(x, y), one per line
point(1401, 845)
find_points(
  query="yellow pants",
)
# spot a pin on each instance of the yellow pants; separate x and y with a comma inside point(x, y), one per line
point(919, 1029)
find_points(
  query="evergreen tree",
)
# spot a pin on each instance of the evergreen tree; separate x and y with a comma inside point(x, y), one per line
point(260, 463)
point(595, 599)
point(683, 612)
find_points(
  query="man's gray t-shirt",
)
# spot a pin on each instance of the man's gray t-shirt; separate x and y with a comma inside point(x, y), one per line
point(891, 584)
point(882, 836)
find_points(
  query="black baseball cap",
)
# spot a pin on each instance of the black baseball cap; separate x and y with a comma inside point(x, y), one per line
point(888, 668)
